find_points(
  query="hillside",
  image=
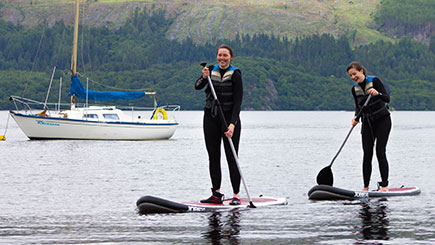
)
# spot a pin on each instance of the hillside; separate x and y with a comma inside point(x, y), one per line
point(205, 20)
point(142, 44)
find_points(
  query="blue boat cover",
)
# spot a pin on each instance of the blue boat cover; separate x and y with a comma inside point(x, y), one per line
point(78, 90)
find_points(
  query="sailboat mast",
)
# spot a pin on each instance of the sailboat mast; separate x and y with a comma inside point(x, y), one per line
point(74, 48)
point(75, 41)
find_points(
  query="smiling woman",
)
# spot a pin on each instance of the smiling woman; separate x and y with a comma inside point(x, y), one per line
point(223, 94)
point(376, 120)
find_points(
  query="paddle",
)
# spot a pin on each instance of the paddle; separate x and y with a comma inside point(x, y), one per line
point(325, 175)
point(221, 112)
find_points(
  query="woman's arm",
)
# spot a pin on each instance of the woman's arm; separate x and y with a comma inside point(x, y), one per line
point(379, 86)
point(202, 81)
point(237, 96)
point(356, 102)
point(354, 122)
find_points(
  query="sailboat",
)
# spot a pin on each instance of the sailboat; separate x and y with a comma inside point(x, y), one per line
point(93, 122)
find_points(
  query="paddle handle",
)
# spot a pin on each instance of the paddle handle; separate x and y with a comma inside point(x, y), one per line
point(233, 149)
point(350, 131)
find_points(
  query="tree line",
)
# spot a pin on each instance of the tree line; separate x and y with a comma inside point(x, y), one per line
point(307, 73)
point(404, 17)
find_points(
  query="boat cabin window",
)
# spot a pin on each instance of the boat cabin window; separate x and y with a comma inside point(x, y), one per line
point(90, 116)
point(111, 116)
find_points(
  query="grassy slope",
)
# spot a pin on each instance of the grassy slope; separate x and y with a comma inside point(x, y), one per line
point(204, 20)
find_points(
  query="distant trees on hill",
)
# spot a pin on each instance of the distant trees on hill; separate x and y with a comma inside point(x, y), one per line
point(405, 17)
point(306, 73)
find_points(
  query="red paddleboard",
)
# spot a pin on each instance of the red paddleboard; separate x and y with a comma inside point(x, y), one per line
point(151, 204)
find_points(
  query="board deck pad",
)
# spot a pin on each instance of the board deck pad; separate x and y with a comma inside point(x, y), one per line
point(151, 204)
point(325, 192)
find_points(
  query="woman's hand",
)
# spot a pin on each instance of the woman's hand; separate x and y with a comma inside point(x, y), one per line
point(354, 121)
point(230, 131)
point(373, 92)
point(205, 72)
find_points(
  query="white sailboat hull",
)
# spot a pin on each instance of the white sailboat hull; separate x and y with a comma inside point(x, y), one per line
point(37, 127)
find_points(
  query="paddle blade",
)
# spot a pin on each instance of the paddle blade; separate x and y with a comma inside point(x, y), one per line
point(325, 176)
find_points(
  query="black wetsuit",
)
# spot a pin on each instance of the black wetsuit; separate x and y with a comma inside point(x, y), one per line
point(376, 126)
point(214, 129)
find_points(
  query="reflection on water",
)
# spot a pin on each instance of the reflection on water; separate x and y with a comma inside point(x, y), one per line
point(223, 227)
point(374, 220)
point(70, 192)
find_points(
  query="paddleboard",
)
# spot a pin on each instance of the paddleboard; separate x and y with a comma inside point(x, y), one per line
point(152, 204)
point(326, 192)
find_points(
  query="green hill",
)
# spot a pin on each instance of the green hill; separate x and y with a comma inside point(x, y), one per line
point(293, 56)
point(204, 20)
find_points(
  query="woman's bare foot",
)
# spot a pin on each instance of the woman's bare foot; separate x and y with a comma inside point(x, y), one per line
point(365, 189)
point(383, 189)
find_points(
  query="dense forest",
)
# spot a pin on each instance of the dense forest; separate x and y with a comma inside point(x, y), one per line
point(307, 73)
point(404, 17)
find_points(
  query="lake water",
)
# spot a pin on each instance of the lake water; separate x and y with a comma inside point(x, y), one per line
point(86, 191)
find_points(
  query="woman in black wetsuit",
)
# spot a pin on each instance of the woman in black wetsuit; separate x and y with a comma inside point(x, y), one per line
point(227, 81)
point(376, 121)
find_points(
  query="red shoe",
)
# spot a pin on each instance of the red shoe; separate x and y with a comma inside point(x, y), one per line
point(215, 198)
point(235, 201)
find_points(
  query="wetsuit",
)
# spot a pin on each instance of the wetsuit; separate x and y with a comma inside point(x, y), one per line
point(376, 126)
point(229, 91)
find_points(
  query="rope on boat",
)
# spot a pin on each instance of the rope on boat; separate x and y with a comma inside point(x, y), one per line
point(34, 60)
point(3, 137)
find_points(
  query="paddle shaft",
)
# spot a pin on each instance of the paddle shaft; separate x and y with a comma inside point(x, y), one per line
point(221, 112)
point(350, 131)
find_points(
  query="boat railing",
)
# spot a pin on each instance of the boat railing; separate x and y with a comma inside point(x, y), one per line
point(29, 106)
point(171, 109)
point(23, 101)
